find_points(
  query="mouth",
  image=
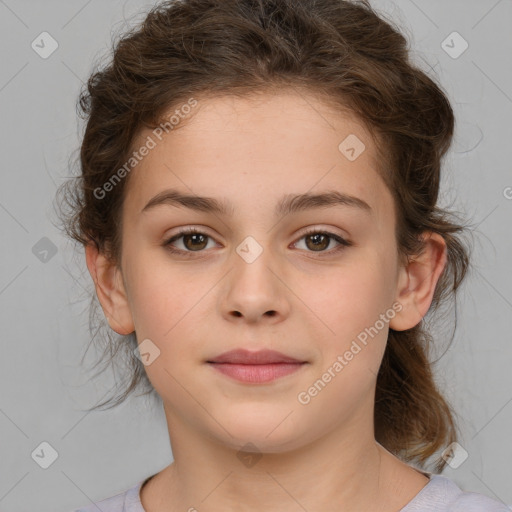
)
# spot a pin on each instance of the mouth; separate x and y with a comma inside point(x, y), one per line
point(255, 367)
point(242, 356)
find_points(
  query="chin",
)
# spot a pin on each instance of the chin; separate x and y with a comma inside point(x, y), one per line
point(263, 431)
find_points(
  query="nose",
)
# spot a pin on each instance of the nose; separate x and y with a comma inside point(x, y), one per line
point(255, 291)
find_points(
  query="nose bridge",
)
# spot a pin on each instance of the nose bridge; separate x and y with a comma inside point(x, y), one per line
point(252, 263)
point(254, 288)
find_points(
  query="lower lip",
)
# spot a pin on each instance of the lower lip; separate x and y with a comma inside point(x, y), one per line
point(256, 372)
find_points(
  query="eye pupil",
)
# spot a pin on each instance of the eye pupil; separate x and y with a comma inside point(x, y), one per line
point(196, 241)
point(194, 237)
point(316, 238)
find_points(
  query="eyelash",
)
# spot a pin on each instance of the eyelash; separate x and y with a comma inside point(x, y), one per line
point(343, 244)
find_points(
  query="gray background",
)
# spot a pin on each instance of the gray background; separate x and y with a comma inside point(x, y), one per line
point(43, 305)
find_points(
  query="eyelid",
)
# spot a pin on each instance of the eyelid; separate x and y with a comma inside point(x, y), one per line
point(341, 240)
point(319, 229)
point(188, 230)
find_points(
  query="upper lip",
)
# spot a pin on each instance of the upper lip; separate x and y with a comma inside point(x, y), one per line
point(242, 356)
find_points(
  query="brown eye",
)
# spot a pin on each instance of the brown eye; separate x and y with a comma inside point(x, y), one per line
point(192, 241)
point(319, 241)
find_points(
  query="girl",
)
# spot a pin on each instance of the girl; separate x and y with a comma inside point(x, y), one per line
point(258, 207)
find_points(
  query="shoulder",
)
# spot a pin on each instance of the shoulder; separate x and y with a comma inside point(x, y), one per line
point(126, 501)
point(474, 502)
point(443, 495)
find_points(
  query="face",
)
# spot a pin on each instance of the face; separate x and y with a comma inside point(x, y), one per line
point(256, 277)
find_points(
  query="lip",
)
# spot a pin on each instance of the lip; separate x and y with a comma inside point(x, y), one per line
point(255, 367)
point(256, 373)
point(260, 357)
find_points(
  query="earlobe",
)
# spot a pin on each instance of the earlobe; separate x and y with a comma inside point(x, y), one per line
point(110, 290)
point(417, 282)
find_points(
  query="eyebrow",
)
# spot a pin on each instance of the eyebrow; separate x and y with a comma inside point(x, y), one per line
point(288, 204)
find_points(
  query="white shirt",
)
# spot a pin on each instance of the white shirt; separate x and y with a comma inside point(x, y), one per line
point(440, 495)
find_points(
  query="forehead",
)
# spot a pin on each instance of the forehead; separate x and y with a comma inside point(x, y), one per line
point(257, 148)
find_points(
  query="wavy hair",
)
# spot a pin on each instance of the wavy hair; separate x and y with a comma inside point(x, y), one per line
point(353, 59)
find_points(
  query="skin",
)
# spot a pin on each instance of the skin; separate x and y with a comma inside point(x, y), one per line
point(318, 456)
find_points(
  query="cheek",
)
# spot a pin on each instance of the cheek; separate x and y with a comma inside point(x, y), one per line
point(161, 296)
point(355, 296)
point(169, 311)
point(357, 307)
point(172, 309)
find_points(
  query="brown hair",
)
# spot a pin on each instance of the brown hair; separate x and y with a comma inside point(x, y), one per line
point(349, 56)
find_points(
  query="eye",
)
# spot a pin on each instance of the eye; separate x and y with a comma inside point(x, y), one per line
point(193, 241)
point(319, 240)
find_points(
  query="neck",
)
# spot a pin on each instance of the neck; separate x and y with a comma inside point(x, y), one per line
point(346, 468)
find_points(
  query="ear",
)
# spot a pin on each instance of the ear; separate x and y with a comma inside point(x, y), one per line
point(110, 290)
point(417, 282)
